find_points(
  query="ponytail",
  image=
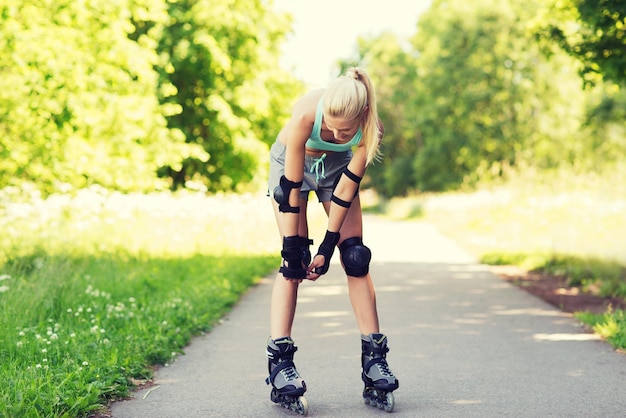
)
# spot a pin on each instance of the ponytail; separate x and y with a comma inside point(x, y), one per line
point(352, 96)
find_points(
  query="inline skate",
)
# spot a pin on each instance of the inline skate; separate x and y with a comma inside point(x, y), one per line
point(379, 380)
point(287, 385)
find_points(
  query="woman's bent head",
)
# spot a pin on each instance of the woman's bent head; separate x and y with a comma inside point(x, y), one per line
point(351, 97)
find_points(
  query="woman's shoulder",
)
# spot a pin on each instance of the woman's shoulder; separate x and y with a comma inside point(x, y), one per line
point(305, 107)
point(309, 101)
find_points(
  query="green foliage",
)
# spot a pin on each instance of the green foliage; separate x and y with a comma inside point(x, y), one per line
point(392, 70)
point(220, 64)
point(78, 329)
point(143, 94)
point(608, 276)
point(606, 127)
point(486, 94)
point(610, 326)
point(593, 31)
point(77, 98)
point(110, 93)
point(476, 96)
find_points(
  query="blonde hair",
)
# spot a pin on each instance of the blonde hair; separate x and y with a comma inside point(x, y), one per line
point(351, 97)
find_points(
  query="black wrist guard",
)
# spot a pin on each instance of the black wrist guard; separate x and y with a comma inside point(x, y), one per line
point(297, 257)
point(327, 248)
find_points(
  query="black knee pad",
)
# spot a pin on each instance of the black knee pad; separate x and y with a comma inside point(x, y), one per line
point(355, 257)
point(296, 253)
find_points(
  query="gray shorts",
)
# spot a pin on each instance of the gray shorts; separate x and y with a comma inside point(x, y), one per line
point(319, 176)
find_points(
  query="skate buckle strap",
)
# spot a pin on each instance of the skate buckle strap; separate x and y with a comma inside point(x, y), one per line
point(378, 350)
point(289, 374)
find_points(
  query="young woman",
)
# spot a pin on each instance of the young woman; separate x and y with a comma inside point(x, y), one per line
point(325, 147)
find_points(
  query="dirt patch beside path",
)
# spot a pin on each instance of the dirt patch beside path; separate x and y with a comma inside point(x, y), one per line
point(555, 291)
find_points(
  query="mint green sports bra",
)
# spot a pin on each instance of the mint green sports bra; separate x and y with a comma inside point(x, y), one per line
point(315, 141)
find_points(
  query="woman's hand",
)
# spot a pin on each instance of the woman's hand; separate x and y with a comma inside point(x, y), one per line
point(318, 261)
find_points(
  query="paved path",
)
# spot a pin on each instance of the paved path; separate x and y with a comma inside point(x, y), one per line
point(463, 344)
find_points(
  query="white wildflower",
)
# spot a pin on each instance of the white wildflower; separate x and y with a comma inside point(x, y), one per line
point(39, 262)
point(4, 277)
point(4, 289)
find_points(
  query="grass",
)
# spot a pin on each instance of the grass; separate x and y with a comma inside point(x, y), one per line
point(560, 223)
point(611, 326)
point(595, 275)
point(97, 288)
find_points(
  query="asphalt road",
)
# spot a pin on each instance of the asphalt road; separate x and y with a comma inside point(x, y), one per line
point(463, 344)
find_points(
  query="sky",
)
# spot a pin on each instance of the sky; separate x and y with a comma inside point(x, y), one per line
point(327, 30)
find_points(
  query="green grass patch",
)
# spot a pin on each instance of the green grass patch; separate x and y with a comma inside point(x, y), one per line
point(92, 296)
point(608, 277)
point(610, 325)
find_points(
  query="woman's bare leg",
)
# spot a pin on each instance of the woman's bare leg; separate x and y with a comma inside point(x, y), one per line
point(361, 289)
point(285, 292)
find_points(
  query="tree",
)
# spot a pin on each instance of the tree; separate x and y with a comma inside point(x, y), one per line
point(78, 101)
point(109, 93)
point(392, 69)
point(219, 67)
point(593, 31)
point(486, 94)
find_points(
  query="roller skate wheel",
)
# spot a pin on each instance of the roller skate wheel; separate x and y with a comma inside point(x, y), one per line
point(390, 401)
point(382, 400)
point(302, 406)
